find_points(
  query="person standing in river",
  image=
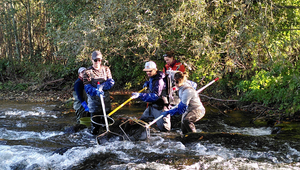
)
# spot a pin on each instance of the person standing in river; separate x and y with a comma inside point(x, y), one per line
point(172, 66)
point(155, 98)
point(80, 106)
point(190, 106)
point(94, 74)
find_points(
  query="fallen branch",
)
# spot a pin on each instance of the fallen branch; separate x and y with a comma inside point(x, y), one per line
point(212, 98)
point(43, 86)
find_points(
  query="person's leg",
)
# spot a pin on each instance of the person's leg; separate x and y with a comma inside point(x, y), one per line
point(146, 115)
point(107, 102)
point(79, 114)
point(164, 124)
point(95, 108)
point(188, 120)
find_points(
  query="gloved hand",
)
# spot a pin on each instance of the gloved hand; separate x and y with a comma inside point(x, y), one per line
point(86, 108)
point(100, 89)
point(146, 84)
point(100, 92)
point(164, 114)
point(135, 95)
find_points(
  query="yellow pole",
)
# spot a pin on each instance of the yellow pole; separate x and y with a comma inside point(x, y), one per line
point(116, 109)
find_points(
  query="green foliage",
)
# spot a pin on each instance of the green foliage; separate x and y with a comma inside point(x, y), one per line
point(279, 87)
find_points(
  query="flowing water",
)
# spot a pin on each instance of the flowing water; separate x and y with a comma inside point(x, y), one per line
point(33, 136)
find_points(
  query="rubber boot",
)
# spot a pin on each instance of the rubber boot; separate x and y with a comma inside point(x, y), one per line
point(187, 127)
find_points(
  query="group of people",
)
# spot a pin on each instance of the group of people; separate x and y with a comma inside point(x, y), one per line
point(169, 93)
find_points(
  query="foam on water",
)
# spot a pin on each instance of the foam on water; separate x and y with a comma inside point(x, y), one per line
point(211, 156)
point(34, 111)
point(249, 130)
point(19, 135)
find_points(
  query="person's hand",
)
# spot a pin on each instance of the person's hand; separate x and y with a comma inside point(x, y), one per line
point(135, 95)
point(100, 92)
point(86, 108)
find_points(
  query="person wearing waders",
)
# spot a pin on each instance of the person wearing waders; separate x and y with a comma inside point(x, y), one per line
point(94, 74)
point(80, 106)
point(190, 105)
point(172, 66)
point(157, 102)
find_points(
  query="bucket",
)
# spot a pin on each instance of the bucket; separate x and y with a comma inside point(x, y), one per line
point(100, 121)
point(85, 121)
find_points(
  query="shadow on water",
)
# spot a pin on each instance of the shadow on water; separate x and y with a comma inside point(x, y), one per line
point(34, 136)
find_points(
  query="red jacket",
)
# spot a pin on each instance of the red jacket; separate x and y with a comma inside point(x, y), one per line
point(174, 66)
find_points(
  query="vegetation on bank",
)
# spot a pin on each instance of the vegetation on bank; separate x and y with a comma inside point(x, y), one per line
point(251, 45)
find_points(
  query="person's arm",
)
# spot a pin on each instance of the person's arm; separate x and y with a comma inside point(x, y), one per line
point(155, 92)
point(108, 84)
point(78, 87)
point(110, 81)
point(183, 105)
point(180, 109)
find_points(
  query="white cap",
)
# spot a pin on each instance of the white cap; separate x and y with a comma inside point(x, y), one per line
point(81, 69)
point(150, 65)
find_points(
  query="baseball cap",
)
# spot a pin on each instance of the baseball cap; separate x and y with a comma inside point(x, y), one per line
point(81, 69)
point(96, 55)
point(150, 65)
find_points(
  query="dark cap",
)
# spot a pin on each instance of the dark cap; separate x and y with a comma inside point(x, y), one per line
point(96, 55)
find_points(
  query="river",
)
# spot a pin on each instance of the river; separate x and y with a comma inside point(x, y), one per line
point(35, 136)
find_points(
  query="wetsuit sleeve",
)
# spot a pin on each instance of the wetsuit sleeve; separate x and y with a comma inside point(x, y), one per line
point(155, 92)
point(108, 84)
point(148, 97)
point(180, 109)
point(90, 90)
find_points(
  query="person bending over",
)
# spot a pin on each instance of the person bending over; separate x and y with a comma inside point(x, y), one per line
point(155, 98)
point(190, 105)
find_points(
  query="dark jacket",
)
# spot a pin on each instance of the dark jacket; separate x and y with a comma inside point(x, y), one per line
point(156, 85)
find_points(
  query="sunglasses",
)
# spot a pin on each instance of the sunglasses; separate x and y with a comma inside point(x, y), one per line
point(149, 71)
point(176, 82)
point(96, 60)
point(165, 55)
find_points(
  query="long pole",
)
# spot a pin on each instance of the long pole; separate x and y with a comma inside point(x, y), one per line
point(123, 104)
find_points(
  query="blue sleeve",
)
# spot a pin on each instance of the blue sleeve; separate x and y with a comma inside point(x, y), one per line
point(108, 84)
point(90, 90)
point(146, 84)
point(148, 97)
point(78, 87)
point(180, 109)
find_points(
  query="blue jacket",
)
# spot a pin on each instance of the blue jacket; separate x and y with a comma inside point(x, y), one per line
point(78, 88)
point(155, 85)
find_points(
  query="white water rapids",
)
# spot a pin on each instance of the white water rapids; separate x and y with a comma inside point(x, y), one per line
point(30, 134)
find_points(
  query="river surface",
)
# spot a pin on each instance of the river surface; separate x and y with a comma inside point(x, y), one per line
point(34, 136)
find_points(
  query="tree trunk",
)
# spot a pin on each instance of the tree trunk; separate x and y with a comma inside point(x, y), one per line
point(17, 42)
point(29, 29)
